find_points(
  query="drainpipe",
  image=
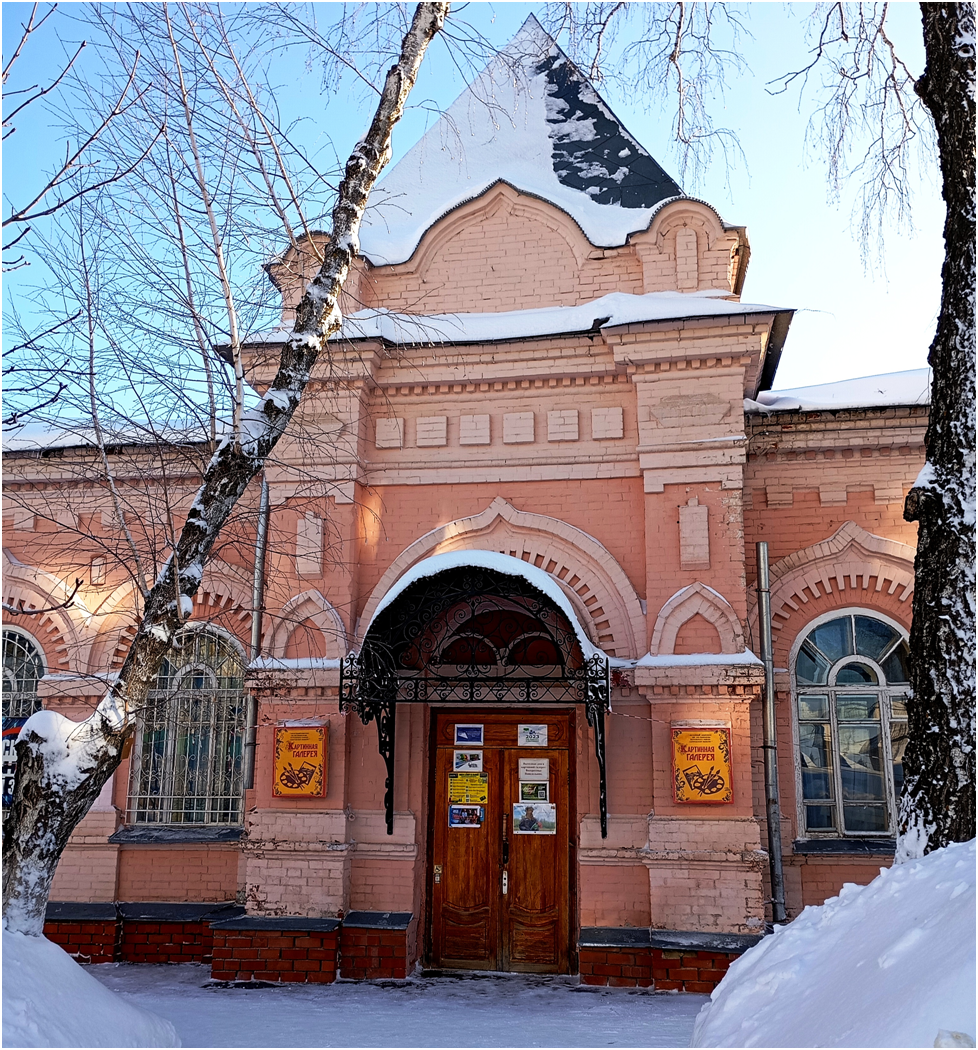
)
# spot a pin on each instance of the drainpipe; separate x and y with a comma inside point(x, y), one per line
point(257, 603)
point(770, 738)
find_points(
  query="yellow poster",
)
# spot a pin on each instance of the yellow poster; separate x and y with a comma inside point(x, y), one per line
point(701, 765)
point(300, 761)
point(468, 787)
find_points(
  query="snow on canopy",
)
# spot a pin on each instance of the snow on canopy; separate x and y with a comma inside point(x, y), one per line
point(608, 311)
point(888, 964)
point(533, 120)
point(895, 388)
point(49, 1000)
point(502, 563)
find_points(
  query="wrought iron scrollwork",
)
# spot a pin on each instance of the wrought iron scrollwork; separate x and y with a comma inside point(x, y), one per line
point(470, 636)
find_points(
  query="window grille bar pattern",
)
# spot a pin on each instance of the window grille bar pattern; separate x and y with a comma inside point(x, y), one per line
point(187, 762)
point(23, 668)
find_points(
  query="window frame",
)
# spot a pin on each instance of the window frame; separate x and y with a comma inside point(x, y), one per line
point(884, 689)
point(142, 800)
point(36, 645)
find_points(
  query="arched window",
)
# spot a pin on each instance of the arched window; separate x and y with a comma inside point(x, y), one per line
point(23, 668)
point(851, 687)
point(186, 765)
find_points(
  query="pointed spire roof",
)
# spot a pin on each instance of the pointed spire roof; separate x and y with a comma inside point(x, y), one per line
point(532, 119)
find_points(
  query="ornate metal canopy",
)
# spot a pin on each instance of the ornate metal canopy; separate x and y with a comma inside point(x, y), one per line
point(472, 635)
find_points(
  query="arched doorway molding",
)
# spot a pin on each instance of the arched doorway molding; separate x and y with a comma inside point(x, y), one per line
point(456, 586)
point(309, 605)
point(696, 600)
point(64, 632)
point(604, 600)
point(841, 565)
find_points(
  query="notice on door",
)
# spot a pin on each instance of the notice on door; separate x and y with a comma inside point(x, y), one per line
point(468, 787)
point(531, 735)
point(534, 769)
point(300, 762)
point(701, 765)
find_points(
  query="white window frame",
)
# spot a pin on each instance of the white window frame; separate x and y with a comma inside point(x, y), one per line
point(884, 689)
point(156, 801)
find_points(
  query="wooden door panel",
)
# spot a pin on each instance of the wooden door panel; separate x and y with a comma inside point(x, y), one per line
point(534, 911)
point(473, 924)
point(465, 897)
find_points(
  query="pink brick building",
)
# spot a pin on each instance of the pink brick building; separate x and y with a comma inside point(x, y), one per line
point(525, 488)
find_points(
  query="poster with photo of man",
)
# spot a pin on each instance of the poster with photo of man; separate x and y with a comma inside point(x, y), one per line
point(536, 818)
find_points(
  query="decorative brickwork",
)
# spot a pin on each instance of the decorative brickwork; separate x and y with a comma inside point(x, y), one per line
point(302, 951)
point(165, 942)
point(666, 961)
point(375, 946)
point(86, 942)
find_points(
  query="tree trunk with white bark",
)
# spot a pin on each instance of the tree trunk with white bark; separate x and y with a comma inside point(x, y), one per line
point(62, 766)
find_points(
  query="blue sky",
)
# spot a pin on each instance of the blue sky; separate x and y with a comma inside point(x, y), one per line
point(853, 319)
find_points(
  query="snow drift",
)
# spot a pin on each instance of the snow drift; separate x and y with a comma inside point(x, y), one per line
point(888, 964)
point(49, 1000)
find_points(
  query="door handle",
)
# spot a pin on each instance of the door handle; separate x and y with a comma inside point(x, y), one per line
point(505, 842)
point(505, 883)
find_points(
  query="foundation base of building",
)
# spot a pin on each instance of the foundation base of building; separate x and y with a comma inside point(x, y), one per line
point(664, 960)
point(363, 946)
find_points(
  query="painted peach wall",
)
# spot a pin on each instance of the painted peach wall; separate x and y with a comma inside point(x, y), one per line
point(673, 502)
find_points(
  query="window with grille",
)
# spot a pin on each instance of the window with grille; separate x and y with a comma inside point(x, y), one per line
point(851, 689)
point(186, 766)
point(23, 668)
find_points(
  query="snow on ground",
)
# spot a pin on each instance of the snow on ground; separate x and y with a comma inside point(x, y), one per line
point(888, 964)
point(49, 1000)
point(483, 1010)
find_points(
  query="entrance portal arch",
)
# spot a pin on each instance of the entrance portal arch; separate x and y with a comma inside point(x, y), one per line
point(474, 627)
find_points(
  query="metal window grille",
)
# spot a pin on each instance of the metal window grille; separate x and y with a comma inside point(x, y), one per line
point(186, 765)
point(23, 667)
point(851, 697)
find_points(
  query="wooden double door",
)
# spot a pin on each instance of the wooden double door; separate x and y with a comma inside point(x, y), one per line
point(501, 839)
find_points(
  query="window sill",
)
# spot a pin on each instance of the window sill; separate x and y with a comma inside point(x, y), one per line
point(851, 847)
point(165, 834)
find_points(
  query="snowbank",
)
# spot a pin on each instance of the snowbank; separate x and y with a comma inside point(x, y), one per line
point(49, 1000)
point(888, 964)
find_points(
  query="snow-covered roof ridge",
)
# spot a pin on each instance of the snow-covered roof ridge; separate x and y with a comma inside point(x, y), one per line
point(608, 311)
point(894, 388)
point(531, 119)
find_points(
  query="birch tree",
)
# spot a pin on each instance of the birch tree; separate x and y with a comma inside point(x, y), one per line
point(63, 765)
point(869, 116)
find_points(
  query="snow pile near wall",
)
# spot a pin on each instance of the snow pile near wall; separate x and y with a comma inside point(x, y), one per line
point(888, 964)
point(894, 388)
point(49, 1000)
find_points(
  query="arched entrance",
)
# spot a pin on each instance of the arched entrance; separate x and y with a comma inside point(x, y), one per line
point(494, 645)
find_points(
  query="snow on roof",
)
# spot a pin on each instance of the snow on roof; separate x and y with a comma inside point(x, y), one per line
point(896, 388)
point(37, 436)
point(533, 120)
point(608, 311)
point(502, 563)
point(746, 658)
